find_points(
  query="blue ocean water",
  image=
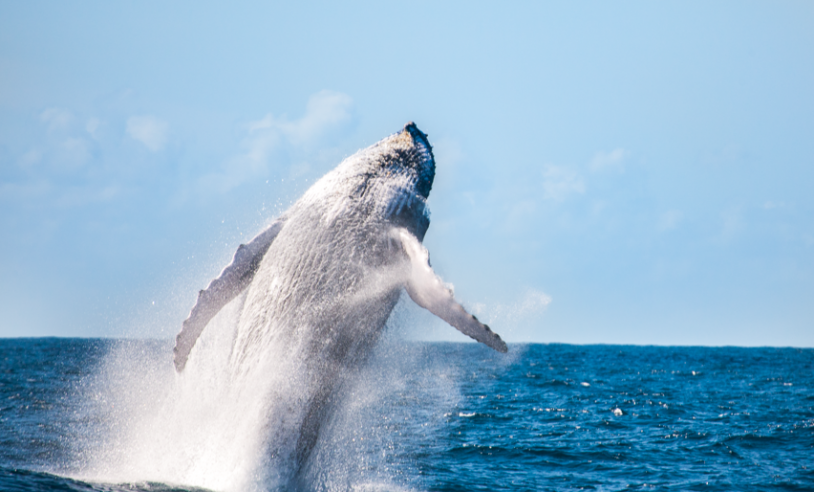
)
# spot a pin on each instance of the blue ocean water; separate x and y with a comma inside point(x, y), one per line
point(462, 417)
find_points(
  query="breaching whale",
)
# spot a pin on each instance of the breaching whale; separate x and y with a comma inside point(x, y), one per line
point(319, 284)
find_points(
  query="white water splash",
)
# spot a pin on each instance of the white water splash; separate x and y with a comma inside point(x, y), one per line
point(164, 427)
point(207, 427)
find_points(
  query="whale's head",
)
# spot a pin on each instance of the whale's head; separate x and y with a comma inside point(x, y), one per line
point(399, 171)
point(408, 152)
point(387, 182)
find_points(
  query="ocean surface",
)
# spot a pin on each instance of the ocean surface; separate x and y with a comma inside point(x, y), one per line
point(451, 417)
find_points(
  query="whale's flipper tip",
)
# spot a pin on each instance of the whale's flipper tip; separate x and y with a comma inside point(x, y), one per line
point(183, 345)
point(179, 362)
point(495, 341)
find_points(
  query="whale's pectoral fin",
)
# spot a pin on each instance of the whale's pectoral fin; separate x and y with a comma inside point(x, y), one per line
point(231, 282)
point(429, 292)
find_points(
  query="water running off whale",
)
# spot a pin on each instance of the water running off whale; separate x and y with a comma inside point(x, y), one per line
point(277, 338)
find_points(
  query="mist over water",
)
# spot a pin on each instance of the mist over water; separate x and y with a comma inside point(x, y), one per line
point(216, 428)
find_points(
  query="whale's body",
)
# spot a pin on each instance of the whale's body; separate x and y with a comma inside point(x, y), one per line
point(320, 284)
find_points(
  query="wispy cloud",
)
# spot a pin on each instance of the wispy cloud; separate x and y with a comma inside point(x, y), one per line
point(92, 127)
point(519, 215)
point(724, 155)
point(24, 192)
point(77, 196)
point(30, 158)
point(609, 160)
point(732, 223)
point(73, 152)
point(669, 220)
point(325, 113)
point(560, 182)
point(148, 130)
point(57, 119)
point(771, 205)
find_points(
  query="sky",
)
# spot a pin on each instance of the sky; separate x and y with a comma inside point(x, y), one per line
point(623, 173)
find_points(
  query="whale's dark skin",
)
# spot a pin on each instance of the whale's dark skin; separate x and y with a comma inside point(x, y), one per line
point(322, 280)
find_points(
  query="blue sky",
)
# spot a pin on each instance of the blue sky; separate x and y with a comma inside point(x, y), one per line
point(635, 172)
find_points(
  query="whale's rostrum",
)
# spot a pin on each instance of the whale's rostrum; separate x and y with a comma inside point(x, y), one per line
point(319, 284)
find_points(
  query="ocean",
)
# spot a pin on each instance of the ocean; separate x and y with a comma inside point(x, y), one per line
point(442, 417)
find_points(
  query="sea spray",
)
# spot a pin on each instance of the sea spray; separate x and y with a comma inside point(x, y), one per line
point(211, 428)
point(156, 425)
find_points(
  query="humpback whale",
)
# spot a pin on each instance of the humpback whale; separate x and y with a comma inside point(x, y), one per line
point(318, 285)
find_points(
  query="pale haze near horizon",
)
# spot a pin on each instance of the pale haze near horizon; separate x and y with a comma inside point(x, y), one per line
point(637, 173)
